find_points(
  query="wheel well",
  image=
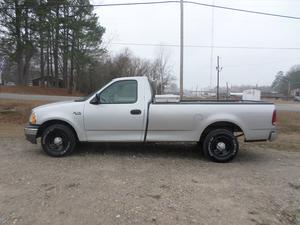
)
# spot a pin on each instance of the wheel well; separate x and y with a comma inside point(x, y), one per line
point(51, 122)
point(220, 125)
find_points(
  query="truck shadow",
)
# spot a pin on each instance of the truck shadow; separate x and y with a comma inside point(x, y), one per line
point(163, 150)
point(171, 150)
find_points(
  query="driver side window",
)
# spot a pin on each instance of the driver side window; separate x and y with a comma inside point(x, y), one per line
point(120, 92)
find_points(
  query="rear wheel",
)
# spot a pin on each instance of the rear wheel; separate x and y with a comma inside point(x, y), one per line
point(58, 140)
point(220, 145)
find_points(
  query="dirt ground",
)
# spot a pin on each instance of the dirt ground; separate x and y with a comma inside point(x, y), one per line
point(146, 184)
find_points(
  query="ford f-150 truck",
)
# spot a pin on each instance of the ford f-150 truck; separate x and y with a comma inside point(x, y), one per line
point(125, 110)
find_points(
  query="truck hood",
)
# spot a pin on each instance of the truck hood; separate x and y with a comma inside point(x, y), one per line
point(50, 105)
point(66, 111)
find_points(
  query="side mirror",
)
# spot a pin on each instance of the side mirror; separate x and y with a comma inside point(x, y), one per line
point(96, 99)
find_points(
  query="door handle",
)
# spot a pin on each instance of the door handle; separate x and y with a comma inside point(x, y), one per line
point(136, 112)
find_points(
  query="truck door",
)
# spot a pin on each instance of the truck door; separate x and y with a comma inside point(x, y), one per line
point(119, 116)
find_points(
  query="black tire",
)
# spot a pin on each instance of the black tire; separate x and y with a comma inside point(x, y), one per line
point(220, 145)
point(58, 140)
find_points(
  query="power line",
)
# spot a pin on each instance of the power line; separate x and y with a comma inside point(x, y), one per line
point(201, 4)
point(243, 10)
point(135, 3)
point(100, 5)
point(207, 46)
point(166, 2)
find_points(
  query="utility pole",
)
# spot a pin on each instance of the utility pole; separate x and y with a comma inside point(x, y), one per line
point(161, 84)
point(218, 77)
point(227, 91)
point(212, 43)
point(181, 49)
point(289, 89)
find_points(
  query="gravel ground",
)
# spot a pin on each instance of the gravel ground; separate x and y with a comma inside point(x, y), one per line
point(145, 184)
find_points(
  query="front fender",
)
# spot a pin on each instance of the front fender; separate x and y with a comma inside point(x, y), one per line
point(79, 131)
point(71, 113)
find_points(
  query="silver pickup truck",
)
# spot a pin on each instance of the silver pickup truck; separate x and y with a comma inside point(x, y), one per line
point(125, 110)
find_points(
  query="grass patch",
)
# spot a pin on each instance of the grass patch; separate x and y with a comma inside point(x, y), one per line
point(288, 122)
point(16, 111)
point(288, 128)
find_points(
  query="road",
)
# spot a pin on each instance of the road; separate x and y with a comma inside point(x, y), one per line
point(280, 107)
point(36, 97)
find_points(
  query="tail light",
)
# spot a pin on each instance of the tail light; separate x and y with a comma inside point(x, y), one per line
point(274, 118)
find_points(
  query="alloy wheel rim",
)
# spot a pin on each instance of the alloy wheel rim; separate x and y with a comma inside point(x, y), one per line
point(57, 141)
point(221, 146)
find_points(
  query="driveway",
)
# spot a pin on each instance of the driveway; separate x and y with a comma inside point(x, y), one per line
point(145, 184)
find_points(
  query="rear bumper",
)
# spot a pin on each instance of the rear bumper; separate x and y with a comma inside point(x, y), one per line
point(31, 133)
point(262, 135)
point(272, 135)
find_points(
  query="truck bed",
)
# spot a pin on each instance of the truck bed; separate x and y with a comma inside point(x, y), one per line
point(217, 102)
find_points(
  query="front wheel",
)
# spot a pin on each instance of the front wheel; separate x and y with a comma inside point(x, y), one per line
point(220, 145)
point(58, 140)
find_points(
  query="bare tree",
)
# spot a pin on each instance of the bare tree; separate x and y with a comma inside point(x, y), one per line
point(161, 71)
point(126, 63)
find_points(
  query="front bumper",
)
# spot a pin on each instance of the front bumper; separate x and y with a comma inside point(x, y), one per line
point(272, 135)
point(31, 133)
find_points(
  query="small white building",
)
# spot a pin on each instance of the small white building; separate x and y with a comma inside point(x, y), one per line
point(252, 94)
point(295, 92)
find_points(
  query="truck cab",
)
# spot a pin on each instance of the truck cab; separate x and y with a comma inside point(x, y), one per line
point(118, 112)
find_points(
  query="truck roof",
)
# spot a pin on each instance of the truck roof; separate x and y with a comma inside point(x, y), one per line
point(133, 78)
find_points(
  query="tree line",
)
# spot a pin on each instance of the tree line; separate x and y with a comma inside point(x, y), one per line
point(125, 63)
point(60, 42)
point(284, 83)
